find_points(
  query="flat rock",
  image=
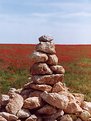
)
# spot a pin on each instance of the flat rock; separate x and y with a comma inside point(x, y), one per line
point(56, 100)
point(40, 69)
point(47, 79)
point(23, 113)
point(39, 57)
point(15, 103)
point(47, 47)
point(8, 116)
point(52, 59)
point(47, 110)
point(32, 103)
point(45, 38)
point(57, 69)
point(41, 87)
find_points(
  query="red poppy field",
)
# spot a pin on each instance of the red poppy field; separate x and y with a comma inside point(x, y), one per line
point(15, 63)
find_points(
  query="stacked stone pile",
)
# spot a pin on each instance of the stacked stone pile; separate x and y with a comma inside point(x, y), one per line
point(45, 97)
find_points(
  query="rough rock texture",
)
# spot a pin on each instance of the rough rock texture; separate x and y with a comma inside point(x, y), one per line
point(39, 57)
point(56, 100)
point(41, 87)
point(73, 107)
point(59, 86)
point(47, 109)
point(4, 99)
point(45, 97)
point(23, 113)
point(48, 79)
point(2, 119)
point(45, 38)
point(86, 106)
point(79, 98)
point(8, 116)
point(40, 68)
point(52, 60)
point(32, 103)
point(57, 69)
point(66, 118)
point(15, 103)
point(85, 115)
point(46, 47)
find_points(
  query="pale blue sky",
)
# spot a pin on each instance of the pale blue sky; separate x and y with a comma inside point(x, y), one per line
point(23, 21)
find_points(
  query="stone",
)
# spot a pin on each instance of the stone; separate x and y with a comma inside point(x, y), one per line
point(32, 103)
point(73, 107)
point(45, 38)
point(18, 91)
point(39, 57)
point(47, 110)
point(55, 100)
point(47, 47)
point(4, 99)
point(54, 116)
point(66, 118)
point(32, 118)
point(23, 113)
point(26, 92)
point(47, 79)
point(35, 94)
point(86, 106)
point(2, 119)
point(71, 98)
point(78, 119)
point(59, 86)
point(40, 69)
point(27, 86)
point(41, 87)
point(8, 116)
point(79, 98)
point(11, 90)
point(15, 103)
point(52, 60)
point(57, 69)
point(89, 119)
point(85, 115)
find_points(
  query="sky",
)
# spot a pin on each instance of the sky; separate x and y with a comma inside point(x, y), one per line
point(24, 21)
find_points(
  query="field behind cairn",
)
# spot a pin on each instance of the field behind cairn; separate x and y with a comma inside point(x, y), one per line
point(15, 63)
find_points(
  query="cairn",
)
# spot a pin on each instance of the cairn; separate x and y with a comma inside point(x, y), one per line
point(45, 97)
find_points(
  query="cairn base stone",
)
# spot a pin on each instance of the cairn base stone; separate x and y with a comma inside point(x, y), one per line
point(47, 79)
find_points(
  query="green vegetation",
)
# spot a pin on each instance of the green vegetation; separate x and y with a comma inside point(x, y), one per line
point(78, 77)
point(14, 79)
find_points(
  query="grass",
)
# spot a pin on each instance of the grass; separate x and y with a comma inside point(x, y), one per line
point(15, 80)
point(78, 77)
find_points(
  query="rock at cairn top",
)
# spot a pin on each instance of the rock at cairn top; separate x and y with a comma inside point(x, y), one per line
point(45, 38)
